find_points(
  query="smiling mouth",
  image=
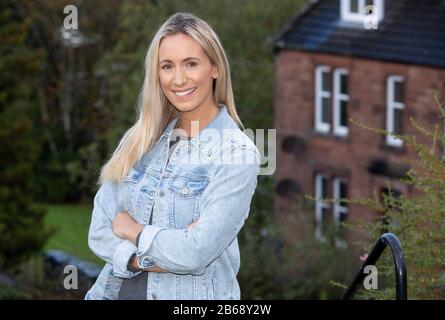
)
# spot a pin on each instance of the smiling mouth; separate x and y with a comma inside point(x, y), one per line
point(184, 93)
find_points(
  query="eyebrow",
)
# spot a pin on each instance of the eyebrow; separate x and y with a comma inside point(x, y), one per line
point(186, 59)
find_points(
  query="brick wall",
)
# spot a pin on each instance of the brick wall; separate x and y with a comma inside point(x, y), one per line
point(348, 157)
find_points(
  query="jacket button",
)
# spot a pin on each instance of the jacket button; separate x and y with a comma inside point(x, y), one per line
point(153, 296)
point(184, 190)
point(161, 193)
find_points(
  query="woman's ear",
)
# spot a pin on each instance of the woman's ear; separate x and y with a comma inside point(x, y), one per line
point(214, 72)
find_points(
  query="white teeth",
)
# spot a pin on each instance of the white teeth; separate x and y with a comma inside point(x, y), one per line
point(184, 93)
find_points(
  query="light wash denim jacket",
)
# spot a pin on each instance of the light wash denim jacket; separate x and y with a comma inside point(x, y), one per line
point(211, 178)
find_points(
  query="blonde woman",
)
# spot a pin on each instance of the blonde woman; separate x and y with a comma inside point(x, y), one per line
point(177, 189)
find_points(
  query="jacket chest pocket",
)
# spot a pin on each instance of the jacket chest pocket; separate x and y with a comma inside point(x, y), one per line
point(186, 195)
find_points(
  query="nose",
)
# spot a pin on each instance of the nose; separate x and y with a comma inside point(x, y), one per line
point(179, 79)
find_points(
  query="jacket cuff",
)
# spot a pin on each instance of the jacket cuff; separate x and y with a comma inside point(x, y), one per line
point(146, 239)
point(121, 256)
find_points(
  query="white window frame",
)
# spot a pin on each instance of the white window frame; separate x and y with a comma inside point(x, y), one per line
point(338, 210)
point(320, 205)
point(347, 15)
point(391, 105)
point(320, 126)
point(339, 130)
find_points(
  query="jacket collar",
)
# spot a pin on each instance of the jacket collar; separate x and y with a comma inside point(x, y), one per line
point(207, 139)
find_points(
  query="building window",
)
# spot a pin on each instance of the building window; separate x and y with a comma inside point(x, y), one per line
point(338, 104)
point(321, 207)
point(322, 99)
point(355, 10)
point(341, 99)
point(394, 109)
point(328, 223)
point(340, 210)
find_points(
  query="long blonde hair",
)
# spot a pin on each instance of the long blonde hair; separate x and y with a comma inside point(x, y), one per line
point(154, 109)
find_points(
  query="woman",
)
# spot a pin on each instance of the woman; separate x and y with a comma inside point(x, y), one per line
point(177, 189)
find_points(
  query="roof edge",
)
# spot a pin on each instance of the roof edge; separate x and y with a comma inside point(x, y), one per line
point(274, 40)
point(364, 57)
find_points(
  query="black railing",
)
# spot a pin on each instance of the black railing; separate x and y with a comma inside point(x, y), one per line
point(387, 239)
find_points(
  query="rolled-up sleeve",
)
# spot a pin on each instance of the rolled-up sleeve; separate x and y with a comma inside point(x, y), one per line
point(225, 204)
point(101, 239)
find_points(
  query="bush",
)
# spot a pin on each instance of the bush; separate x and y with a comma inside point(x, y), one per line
point(303, 269)
point(21, 225)
point(418, 221)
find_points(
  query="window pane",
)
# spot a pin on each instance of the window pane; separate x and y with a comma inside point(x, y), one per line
point(325, 110)
point(393, 192)
point(343, 192)
point(344, 84)
point(343, 113)
point(324, 187)
point(398, 91)
point(325, 83)
point(398, 121)
point(354, 6)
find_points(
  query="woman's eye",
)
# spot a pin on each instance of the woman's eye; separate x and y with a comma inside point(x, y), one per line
point(165, 67)
point(193, 64)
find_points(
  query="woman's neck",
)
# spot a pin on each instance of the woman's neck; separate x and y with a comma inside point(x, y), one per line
point(194, 123)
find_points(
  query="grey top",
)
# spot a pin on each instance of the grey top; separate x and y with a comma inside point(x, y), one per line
point(173, 143)
point(136, 288)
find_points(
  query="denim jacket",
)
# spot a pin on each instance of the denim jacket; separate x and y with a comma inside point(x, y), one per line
point(211, 177)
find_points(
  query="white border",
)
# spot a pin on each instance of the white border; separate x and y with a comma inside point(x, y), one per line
point(347, 15)
point(320, 205)
point(323, 127)
point(339, 130)
point(391, 105)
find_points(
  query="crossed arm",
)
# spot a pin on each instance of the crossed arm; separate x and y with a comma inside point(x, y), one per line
point(112, 236)
point(224, 208)
point(126, 228)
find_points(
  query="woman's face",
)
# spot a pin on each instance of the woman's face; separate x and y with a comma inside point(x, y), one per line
point(185, 73)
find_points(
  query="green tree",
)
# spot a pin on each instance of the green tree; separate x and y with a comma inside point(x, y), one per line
point(73, 113)
point(21, 226)
point(419, 220)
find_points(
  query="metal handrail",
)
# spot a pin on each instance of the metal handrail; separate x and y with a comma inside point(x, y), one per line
point(387, 239)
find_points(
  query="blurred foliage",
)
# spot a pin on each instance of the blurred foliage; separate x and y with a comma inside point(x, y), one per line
point(273, 268)
point(87, 91)
point(12, 293)
point(21, 225)
point(418, 221)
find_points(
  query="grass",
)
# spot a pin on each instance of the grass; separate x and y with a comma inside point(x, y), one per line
point(71, 223)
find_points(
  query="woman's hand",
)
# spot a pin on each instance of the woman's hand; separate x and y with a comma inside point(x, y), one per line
point(125, 227)
point(192, 225)
point(124, 222)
